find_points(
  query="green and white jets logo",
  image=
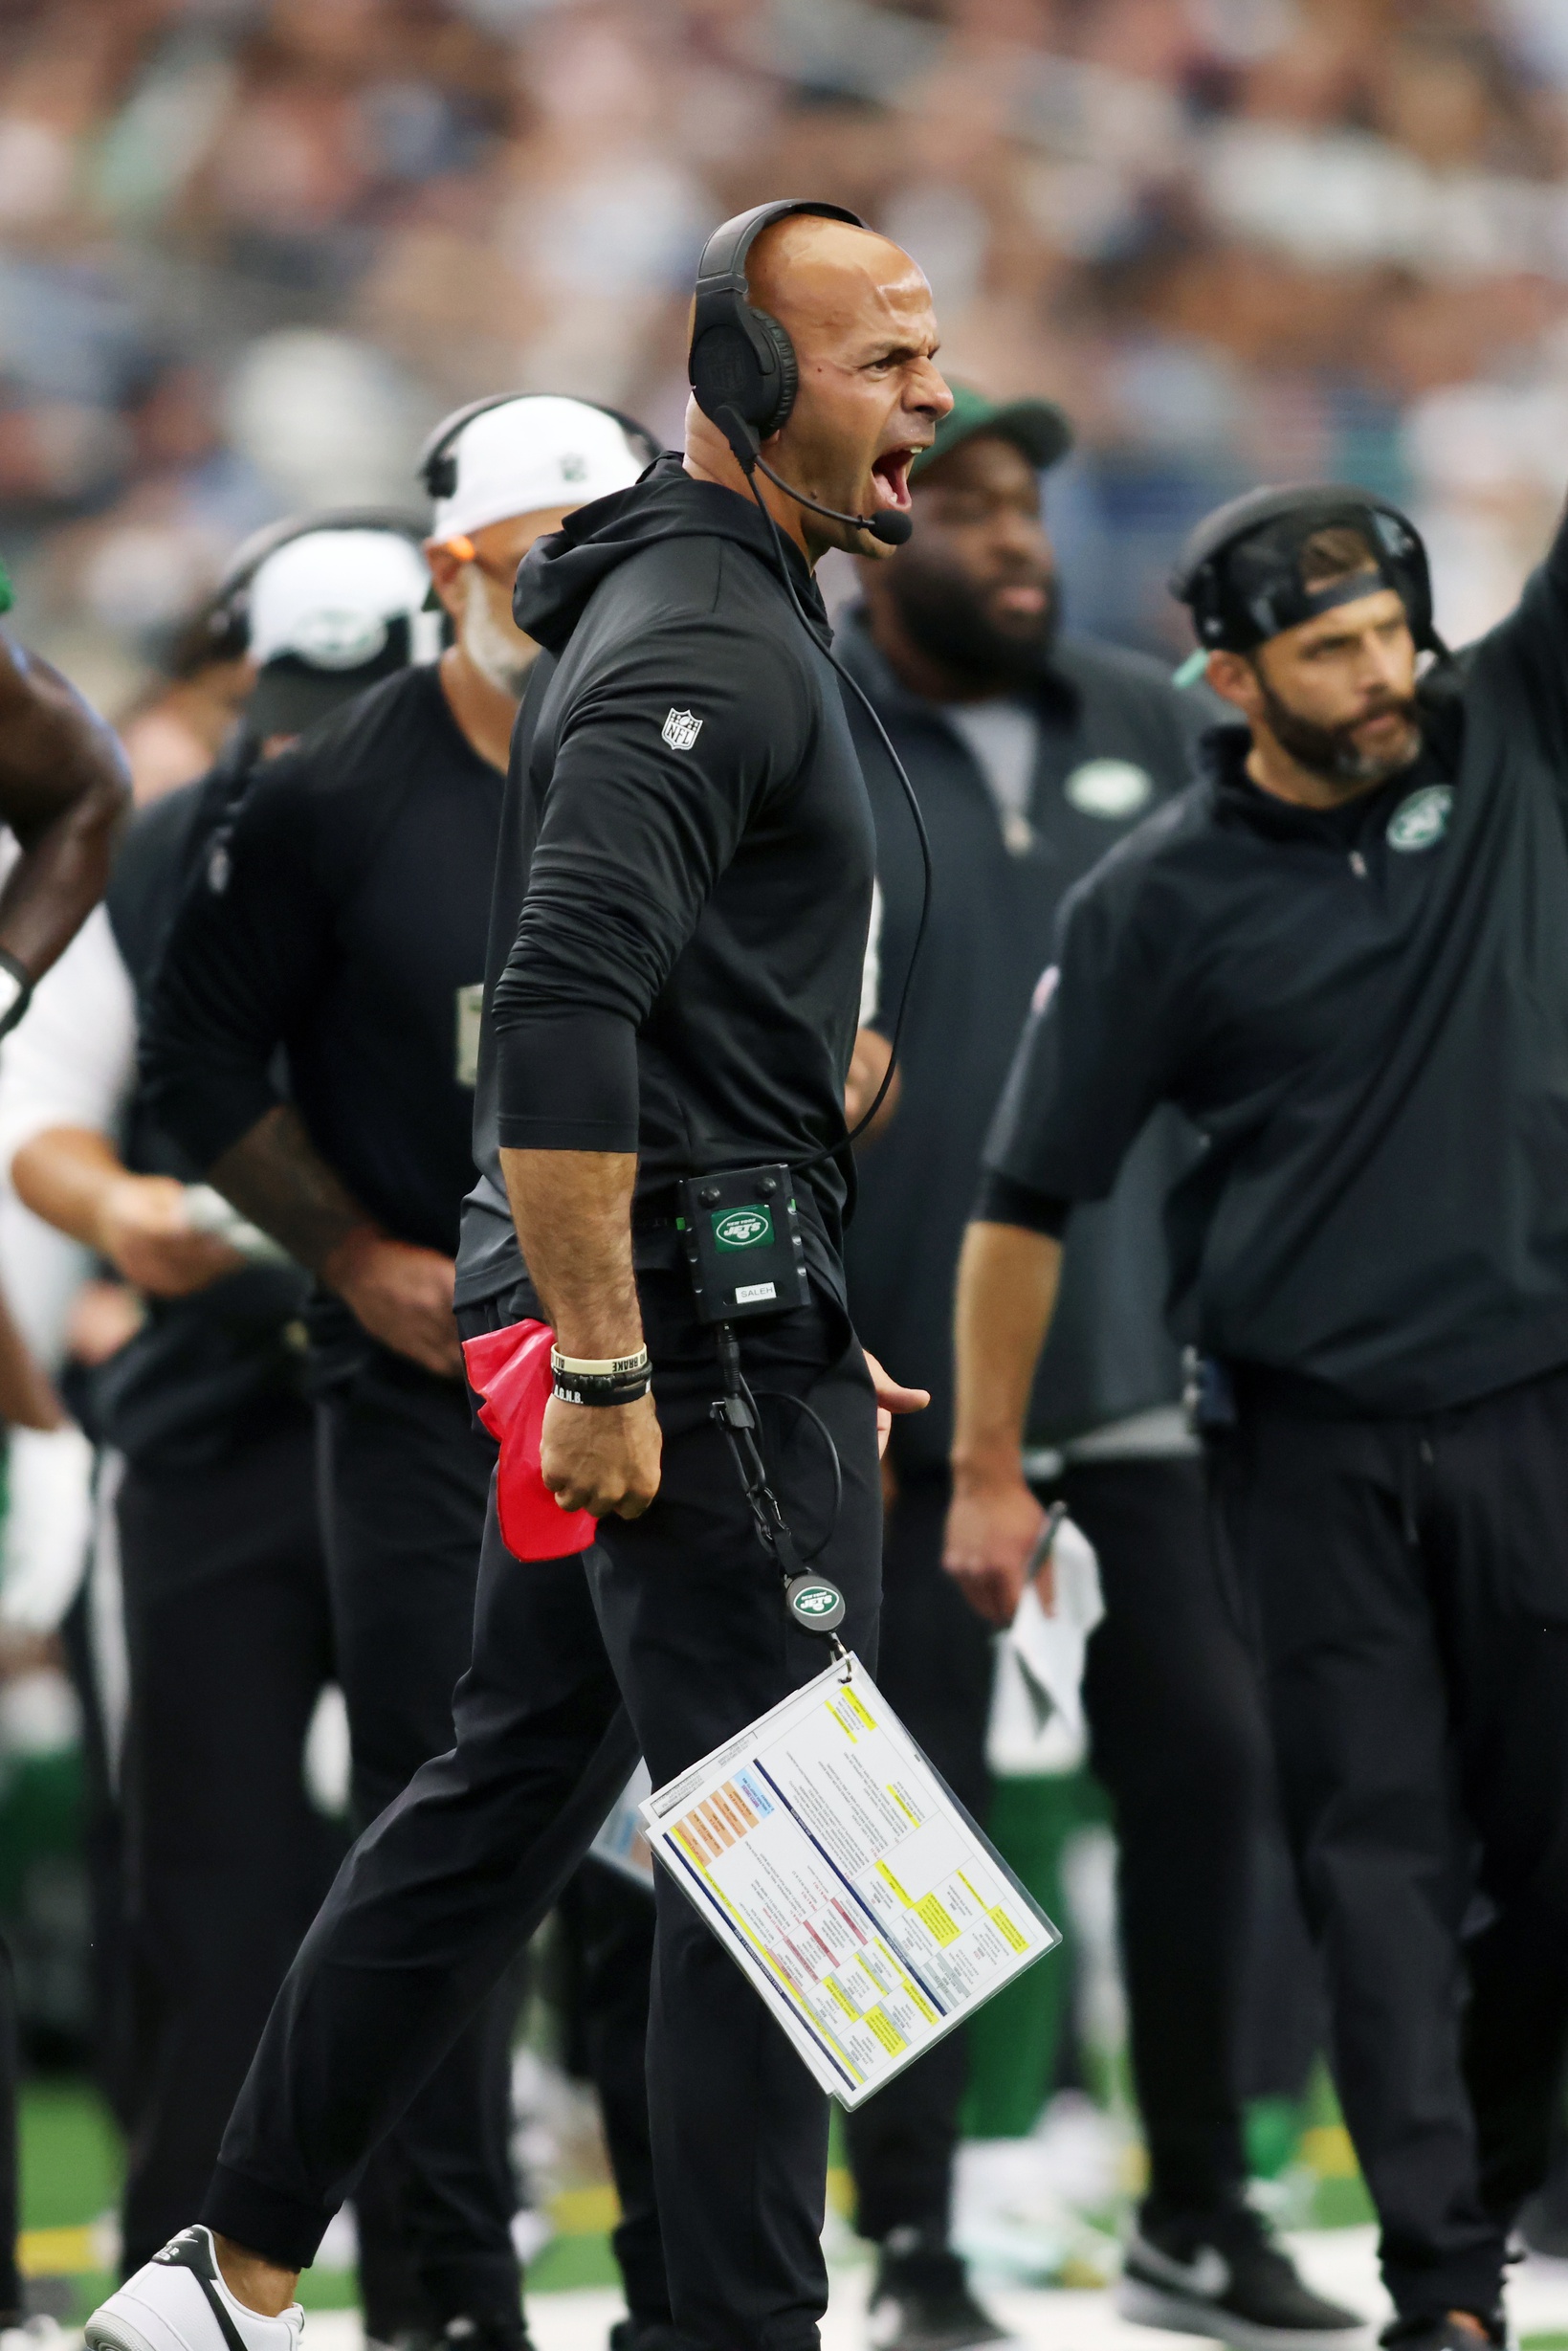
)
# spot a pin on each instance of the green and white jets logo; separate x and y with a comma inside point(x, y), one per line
point(1421, 821)
point(742, 1228)
point(815, 1604)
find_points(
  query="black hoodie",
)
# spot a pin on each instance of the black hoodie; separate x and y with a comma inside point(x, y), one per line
point(683, 881)
point(1364, 1012)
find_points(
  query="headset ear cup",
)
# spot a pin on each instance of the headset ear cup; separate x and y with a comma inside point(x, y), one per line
point(789, 378)
point(725, 373)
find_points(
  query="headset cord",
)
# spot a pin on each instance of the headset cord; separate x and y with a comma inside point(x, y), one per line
point(736, 1413)
point(832, 1150)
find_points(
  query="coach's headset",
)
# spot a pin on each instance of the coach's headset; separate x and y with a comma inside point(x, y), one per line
point(1242, 580)
point(744, 375)
point(436, 465)
point(228, 613)
point(741, 366)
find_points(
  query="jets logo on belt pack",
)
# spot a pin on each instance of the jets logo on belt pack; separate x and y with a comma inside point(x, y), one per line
point(742, 1228)
point(1421, 821)
point(681, 730)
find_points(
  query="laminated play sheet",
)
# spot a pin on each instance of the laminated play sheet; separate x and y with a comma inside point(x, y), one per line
point(849, 1886)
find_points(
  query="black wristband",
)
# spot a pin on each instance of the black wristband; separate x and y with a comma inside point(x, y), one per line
point(12, 1010)
point(600, 1388)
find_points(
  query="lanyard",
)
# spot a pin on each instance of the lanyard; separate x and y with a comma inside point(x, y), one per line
point(814, 1603)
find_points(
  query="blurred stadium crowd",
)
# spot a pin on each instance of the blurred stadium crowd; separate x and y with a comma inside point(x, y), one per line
point(249, 249)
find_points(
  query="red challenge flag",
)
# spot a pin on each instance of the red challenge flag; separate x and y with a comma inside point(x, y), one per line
point(509, 1371)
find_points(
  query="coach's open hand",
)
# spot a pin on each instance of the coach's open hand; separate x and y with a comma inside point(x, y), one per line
point(602, 1457)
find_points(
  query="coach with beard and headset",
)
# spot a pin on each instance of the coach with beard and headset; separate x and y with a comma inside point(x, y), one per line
point(683, 894)
point(1344, 954)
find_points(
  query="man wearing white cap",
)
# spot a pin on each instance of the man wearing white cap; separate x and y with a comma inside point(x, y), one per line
point(341, 917)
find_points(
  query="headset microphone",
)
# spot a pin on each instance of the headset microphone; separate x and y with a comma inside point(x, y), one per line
point(891, 528)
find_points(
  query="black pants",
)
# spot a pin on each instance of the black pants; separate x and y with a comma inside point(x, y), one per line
point(405, 1476)
point(615, 1927)
point(1409, 1580)
point(679, 1612)
point(1176, 1739)
point(225, 1861)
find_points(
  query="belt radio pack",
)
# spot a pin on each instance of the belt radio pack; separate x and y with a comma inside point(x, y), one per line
point(741, 1233)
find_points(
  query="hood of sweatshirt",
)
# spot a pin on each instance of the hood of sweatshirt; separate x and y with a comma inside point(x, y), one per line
point(559, 572)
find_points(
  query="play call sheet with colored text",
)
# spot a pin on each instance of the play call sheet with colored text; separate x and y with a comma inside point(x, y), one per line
point(855, 1892)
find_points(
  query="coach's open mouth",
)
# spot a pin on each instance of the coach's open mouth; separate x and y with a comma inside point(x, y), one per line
point(890, 477)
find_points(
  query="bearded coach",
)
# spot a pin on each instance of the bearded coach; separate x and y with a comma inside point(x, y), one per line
point(1344, 954)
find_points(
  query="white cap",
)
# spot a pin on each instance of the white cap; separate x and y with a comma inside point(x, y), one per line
point(330, 597)
point(527, 455)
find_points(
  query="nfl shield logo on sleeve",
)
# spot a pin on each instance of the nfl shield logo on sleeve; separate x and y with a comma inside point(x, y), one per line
point(681, 730)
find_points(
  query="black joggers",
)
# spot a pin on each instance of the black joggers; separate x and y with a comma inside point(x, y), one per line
point(405, 1475)
point(225, 1861)
point(1409, 1582)
point(1176, 1739)
point(679, 1612)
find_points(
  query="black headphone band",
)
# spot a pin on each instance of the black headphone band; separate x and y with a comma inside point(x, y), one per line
point(723, 264)
point(1198, 578)
point(441, 482)
point(1258, 508)
point(739, 360)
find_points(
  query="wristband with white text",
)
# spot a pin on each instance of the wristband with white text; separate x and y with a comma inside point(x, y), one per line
point(600, 1380)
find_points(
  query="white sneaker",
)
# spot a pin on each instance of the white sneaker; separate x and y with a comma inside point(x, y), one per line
point(178, 2301)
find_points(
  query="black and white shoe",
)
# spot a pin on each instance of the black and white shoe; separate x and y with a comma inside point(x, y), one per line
point(178, 2301)
point(1223, 2274)
point(921, 2299)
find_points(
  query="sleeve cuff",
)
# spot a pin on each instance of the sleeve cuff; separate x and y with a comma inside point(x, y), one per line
point(1004, 1200)
point(566, 1081)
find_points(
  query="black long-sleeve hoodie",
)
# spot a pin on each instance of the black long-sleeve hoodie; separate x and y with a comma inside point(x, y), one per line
point(684, 873)
point(1364, 1012)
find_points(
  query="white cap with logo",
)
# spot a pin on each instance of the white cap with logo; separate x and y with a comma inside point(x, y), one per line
point(330, 597)
point(523, 456)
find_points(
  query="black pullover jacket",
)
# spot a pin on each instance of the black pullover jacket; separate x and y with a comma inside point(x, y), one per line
point(329, 950)
point(1364, 1012)
point(220, 1368)
point(684, 878)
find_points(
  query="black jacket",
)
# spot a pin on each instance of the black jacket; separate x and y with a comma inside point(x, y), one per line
point(1365, 1013)
point(684, 880)
point(987, 940)
point(222, 1368)
point(344, 922)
